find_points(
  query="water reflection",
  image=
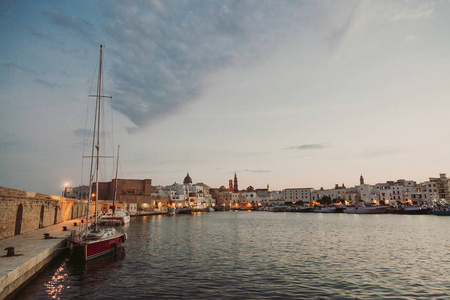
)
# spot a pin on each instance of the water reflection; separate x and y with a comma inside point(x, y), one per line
point(56, 283)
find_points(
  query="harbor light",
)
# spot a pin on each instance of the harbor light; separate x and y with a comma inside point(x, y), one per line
point(66, 184)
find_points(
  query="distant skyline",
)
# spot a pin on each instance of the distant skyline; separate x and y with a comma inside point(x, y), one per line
point(285, 93)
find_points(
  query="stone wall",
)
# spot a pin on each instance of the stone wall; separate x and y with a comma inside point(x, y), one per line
point(23, 211)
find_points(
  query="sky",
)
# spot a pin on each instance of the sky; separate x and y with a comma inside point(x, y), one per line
point(282, 93)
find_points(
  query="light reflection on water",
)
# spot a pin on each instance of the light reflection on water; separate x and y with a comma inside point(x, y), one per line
point(227, 255)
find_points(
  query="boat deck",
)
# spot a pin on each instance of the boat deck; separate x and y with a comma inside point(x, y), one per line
point(32, 253)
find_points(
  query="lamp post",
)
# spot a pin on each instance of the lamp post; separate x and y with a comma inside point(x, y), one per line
point(64, 190)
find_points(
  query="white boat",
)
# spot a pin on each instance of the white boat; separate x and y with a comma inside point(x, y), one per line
point(92, 240)
point(209, 209)
point(324, 209)
point(278, 208)
point(119, 216)
point(170, 211)
point(362, 209)
point(115, 215)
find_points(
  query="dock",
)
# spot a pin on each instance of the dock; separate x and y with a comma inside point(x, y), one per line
point(32, 252)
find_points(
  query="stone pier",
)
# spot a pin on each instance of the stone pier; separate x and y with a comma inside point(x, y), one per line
point(32, 253)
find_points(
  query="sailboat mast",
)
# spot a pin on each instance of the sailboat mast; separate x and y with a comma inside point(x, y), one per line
point(115, 183)
point(97, 146)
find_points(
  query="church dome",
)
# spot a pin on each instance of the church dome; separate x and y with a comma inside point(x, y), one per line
point(187, 179)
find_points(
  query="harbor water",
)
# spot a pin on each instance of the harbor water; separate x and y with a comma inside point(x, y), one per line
point(262, 255)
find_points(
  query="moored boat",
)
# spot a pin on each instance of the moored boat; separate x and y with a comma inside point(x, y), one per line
point(278, 208)
point(209, 209)
point(93, 240)
point(324, 209)
point(119, 216)
point(94, 243)
point(184, 210)
point(116, 215)
point(302, 209)
point(170, 211)
point(442, 211)
point(412, 210)
point(363, 209)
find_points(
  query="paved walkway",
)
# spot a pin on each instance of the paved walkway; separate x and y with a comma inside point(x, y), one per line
point(33, 252)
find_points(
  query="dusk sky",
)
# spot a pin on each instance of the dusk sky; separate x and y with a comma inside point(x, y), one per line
point(285, 93)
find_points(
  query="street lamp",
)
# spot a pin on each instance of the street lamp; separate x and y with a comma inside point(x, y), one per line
point(65, 188)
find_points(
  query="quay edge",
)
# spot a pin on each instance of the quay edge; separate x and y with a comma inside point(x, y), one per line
point(32, 253)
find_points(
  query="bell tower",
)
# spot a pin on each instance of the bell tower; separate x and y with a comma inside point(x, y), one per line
point(361, 180)
point(236, 189)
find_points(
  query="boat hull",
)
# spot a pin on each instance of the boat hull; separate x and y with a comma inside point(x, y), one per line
point(96, 248)
point(441, 212)
point(184, 210)
point(420, 211)
point(303, 209)
point(325, 210)
point(366, 210)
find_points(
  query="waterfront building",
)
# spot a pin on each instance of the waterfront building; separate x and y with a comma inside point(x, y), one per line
point(338, 194)
point(275, 197)
point(437, 188)
point(297, 194)
point(252, 199)
point(230, 199)
point(196, 195)
point(79, 192)
point(135, 194)
point(395, 193)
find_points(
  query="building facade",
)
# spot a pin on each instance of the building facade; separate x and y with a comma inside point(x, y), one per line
point(295, 195)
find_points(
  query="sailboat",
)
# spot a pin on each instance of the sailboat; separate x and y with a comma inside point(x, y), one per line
point(94, 240)
point(116, 215)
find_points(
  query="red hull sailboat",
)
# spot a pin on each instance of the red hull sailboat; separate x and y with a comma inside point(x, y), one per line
point(94, 240)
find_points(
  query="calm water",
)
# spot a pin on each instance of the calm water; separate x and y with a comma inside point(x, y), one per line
point(263, 255)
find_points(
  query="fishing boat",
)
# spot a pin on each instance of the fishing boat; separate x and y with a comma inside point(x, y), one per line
point(94, 240)
point(412, 210)
point(361, 208)
point(185, 210)
point(442, 211)
point(209, 209)
point(170, 211)
point(302, 209)
point(324, 209)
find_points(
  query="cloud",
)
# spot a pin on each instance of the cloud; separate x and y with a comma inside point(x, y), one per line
point(38, 34)
point(308, 147)
point(45, 83)
point(26, 71)
point(12, 142)
point(257, 171)
point(411, 10)
point(75, 25)
point(353, 22)
point(164, 50)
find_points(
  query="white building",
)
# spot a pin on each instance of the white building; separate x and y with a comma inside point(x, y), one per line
point(252, 199)
point(276, 197)
point(297, 194)
point(196, 195)
point(338, 194)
